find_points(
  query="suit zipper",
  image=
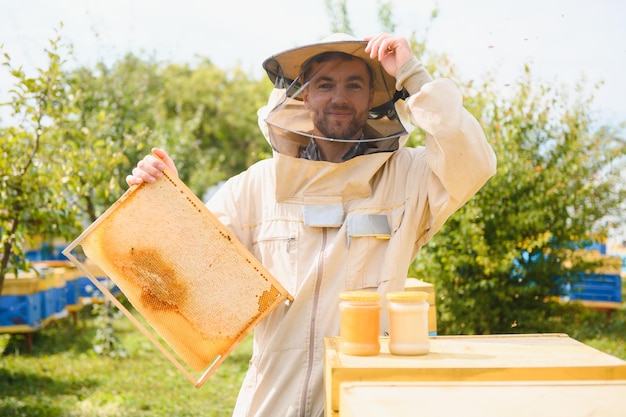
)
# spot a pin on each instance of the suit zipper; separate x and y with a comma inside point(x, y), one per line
point(312, 342)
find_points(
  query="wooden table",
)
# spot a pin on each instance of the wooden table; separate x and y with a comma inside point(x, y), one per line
point(484, 399)
point(544, 357)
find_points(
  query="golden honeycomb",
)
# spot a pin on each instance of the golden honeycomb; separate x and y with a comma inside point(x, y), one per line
point(191, 280)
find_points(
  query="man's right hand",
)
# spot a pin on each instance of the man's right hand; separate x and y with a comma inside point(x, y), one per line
point(151, 167)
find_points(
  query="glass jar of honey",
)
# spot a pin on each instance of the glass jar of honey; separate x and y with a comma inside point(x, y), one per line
point(408, 323)
point(360, 323)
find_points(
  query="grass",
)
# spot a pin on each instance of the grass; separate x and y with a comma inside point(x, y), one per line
point(597, 333)
point(62, 377)
point(595, 329)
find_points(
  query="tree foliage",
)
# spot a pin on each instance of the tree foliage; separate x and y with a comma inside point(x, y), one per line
point(499, 262)
point(337, 11)
point(74, 135)
point(223, 138)
point(36, 177)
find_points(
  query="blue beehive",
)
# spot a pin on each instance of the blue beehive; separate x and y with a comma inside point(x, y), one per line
point(48, 294)
point(20, 301)
point(46, 252)
point(597, 287)
point(72, 292)
point(16, 310)
point(48, 303)
point(88, 291)
point(59, 290)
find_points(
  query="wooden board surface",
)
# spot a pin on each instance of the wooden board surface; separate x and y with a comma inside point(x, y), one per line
point(548, 357)
point(194, 283)
point(484, 399)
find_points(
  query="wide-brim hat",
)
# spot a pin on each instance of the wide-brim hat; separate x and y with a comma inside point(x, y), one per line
point(285, 68)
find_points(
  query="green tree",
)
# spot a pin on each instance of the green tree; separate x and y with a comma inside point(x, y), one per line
point(36, 175)
point(337, 11)
point(499, 261)
point(118, 114)
point(224, 138)
point(385, 16)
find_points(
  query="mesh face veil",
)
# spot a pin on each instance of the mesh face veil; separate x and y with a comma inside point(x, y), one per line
point(289, 123)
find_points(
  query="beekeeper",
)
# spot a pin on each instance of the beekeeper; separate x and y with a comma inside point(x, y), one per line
point(342, 204)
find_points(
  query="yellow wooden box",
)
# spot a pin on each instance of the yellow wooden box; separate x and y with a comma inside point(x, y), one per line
point(47, 280)
point(414, 284)
point(25, 283)
point(483, 399)
point(59, 276)
point(541, 357)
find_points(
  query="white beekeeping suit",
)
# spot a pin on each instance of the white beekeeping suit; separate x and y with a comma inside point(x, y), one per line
point(322, 227)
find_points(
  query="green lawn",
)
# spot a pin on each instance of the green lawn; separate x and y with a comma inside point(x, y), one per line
point(62, 376)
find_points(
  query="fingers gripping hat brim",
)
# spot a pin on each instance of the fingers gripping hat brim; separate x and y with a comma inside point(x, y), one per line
point(285, 67)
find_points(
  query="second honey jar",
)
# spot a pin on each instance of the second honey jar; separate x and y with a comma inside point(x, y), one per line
point(408, 323)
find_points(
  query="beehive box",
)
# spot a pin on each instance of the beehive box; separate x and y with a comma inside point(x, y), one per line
point(72, 290)
point(483, 399)
point(198, 288)
point(414, 284)
point(26, 283)
point(20, 313)
point(48, 295)
point(597, 287)
point(552, 357)
point(88, 292)
point(60, 290)
point(20, 304)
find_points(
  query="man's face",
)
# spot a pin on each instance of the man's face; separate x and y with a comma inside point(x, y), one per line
point(338, 98)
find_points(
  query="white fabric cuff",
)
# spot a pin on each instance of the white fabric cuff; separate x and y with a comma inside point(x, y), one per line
point(412, 75)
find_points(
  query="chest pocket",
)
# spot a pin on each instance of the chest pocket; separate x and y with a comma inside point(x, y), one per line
point(368, 225)
point(369, 243)
point(275, 244)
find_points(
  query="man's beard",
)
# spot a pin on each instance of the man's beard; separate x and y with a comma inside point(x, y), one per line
point(334, 130)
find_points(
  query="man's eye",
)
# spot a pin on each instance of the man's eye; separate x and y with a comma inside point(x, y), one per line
point(325, 86)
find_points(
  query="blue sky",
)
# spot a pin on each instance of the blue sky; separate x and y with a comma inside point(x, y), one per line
point(562, 40)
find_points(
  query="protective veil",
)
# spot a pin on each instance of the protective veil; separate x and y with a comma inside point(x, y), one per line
point(289, 123)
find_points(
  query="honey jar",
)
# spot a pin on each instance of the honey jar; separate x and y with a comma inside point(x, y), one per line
point(360, 323)
point(408, 323)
